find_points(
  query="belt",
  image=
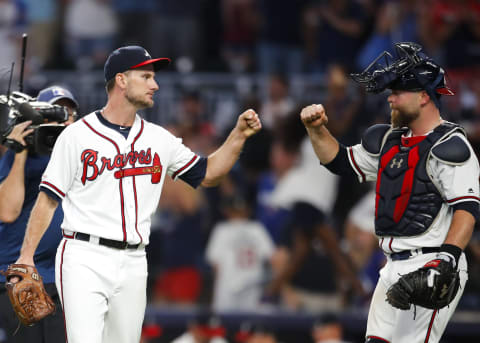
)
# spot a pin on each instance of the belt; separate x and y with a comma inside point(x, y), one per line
point(106, 242)
point(406, 254)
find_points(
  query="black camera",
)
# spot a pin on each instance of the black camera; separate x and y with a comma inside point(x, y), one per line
point(47, 121)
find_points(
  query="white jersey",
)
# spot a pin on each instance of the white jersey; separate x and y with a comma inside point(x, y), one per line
point(239, 249)
point(304, 183)
point(456, 183)
point(110, 185)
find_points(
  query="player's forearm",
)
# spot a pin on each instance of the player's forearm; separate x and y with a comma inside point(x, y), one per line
point(326, 147)
point(222, 160)
point(38, 223)
point(12, 190)
point(461, 229)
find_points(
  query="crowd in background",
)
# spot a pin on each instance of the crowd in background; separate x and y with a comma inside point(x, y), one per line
point(281, 232)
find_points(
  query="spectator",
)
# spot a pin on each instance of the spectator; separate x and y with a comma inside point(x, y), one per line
point(240, 252)
point(333, 33)
point(43, 28)
point(240, 21)
point(328, 328)
point(396, 21)
point(470, 111)
point(280, 45)
point(278, 103)
point(311, 243)
point(262, 334)
point(450, 31)
point(282, 159)
point(135, 21)
point(10, 43)
point(345, 101)
point(176, 32)
point(283, 156)
point(203, 329)
point(91, 29)
point(192, 124)
point(361, 244)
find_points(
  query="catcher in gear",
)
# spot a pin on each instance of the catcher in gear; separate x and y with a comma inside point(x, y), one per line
point(427, 194)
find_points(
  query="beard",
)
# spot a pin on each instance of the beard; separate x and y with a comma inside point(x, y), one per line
point(402, 118)
point(138, 102)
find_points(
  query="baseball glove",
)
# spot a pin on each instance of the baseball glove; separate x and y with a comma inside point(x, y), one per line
point(433, 286)
point(29, 299)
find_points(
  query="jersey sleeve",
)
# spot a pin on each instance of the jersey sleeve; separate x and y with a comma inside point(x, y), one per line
point(458, 183)
point(60, 172)
point(195, 175)
point(363, 163)
point(182, 159)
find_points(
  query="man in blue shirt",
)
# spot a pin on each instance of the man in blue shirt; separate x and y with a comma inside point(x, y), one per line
point(20, 175)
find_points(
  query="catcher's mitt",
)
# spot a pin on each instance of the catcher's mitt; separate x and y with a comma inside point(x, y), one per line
point(29, 299)
point(433, 286)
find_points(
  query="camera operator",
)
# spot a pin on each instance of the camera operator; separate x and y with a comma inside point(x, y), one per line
point(20, 175)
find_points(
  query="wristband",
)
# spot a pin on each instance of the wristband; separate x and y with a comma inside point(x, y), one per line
point(452, 250)
point(14, 145)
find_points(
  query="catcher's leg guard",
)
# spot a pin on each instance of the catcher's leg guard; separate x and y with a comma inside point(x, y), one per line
point(374, 339)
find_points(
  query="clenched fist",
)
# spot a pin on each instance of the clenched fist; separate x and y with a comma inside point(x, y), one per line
point(249, 123)
point(313, 116)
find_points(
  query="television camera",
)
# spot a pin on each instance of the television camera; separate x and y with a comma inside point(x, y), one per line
point(46, 119)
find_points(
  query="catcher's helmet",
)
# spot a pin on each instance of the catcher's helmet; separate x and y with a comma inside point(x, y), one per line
point(410, 69)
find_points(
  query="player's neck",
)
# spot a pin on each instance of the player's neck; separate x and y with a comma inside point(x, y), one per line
point(119, 114)
point(425, 123)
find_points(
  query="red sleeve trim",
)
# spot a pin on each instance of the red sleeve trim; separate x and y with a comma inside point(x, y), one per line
point(49, 185)
point(185, 166)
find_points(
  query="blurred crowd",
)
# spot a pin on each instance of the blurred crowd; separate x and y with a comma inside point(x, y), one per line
point(281, 232)
point(303, 36)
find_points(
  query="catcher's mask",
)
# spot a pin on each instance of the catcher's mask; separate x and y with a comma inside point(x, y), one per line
point(409, 69)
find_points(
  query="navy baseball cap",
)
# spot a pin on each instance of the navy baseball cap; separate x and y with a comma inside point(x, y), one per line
point(131, 57)
point(54, 93)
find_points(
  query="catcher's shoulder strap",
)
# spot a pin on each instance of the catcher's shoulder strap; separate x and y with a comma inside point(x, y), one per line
point(374, 138)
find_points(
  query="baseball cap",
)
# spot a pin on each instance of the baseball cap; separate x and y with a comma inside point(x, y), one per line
point(131, 57)
point(54, 93)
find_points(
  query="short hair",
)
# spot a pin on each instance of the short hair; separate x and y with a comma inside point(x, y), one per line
point(111, 83)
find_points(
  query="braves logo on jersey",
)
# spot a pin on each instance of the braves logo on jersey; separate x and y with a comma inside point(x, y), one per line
point(91, 170)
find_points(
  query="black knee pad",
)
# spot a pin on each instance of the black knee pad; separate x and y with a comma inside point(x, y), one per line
point(375, 339)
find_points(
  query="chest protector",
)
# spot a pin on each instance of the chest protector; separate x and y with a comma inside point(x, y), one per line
point(407, 201)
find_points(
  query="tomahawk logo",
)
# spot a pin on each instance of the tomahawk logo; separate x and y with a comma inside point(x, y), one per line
point(155, 170)
point(396, 163)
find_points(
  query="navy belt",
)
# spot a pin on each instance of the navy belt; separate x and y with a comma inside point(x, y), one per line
point(106, 242)
point(406, 254)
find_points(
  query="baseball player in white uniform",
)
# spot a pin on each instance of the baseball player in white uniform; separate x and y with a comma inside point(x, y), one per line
point(427, 189)
point(107, 170)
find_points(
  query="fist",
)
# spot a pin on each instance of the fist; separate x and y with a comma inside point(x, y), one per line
point(313, 116)
point(249, 123)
